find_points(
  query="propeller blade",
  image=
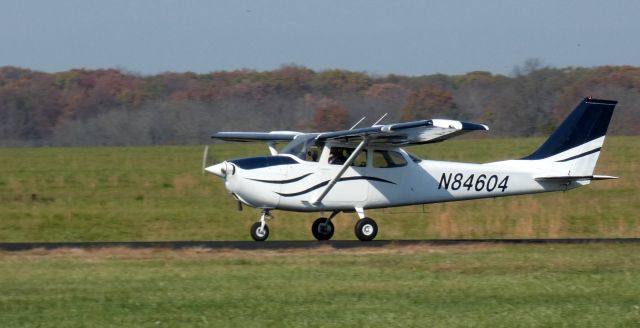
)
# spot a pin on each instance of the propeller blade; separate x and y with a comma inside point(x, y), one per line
point(206, 160)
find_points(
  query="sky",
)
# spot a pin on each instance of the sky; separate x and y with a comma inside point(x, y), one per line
point(378, 37)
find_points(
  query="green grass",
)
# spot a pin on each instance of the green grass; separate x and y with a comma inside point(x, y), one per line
point(452, 286)
point(157, 193)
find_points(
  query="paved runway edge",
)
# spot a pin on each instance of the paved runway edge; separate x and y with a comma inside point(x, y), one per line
point(300, 244)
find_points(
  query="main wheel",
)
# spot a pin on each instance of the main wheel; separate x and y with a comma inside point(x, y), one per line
point(259, 234)
point(322, 229)
point(366, 229)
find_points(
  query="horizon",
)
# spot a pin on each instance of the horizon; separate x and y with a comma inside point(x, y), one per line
point(409, 38)
point(133, 73)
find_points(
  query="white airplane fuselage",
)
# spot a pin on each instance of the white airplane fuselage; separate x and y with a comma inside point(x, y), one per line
point(293, 186)
point(359, 169)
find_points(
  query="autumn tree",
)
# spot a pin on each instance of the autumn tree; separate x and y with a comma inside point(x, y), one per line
point(330, 117)
point(429, 102)
point(109, 106)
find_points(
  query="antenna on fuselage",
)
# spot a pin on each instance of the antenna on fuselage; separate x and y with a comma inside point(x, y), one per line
point(380, 119)
point(354, 126)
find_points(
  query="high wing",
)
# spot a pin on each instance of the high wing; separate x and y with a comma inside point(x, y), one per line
point(408, 133)
point(256, 136)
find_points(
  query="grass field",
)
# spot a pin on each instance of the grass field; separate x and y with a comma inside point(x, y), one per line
point(447, 286)
point(157, 193)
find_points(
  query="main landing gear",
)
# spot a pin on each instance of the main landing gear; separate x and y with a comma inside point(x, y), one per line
point(322, 228)
point(366, 228)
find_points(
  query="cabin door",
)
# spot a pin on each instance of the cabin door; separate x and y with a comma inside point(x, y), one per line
point(353, 186)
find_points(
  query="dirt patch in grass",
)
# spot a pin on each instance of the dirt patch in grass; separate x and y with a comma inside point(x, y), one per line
point(198, 252)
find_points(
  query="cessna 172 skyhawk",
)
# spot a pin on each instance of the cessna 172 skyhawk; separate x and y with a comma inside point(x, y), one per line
point(365, 168)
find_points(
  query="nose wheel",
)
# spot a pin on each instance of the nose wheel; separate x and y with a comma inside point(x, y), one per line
point(260, 230)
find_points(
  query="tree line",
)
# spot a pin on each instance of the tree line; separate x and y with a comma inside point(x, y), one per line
point(110, 107)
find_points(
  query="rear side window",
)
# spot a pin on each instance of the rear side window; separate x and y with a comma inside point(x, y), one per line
point(388, 159)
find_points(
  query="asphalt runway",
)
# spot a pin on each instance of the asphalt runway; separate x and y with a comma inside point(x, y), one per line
point(300, 244)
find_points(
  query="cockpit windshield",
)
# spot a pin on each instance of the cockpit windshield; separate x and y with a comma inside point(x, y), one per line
point(304, 147)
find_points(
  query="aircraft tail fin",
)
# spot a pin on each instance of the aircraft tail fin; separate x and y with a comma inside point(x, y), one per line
point(579, 139)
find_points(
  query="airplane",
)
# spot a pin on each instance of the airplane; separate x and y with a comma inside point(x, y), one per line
point(365, 168)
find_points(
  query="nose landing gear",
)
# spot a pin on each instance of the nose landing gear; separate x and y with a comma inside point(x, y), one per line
point(260, 230)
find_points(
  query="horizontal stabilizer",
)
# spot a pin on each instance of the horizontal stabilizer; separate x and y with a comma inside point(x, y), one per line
point(576, 178)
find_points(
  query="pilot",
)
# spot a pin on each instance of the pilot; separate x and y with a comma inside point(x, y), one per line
point(312, 155)
point(336, 156)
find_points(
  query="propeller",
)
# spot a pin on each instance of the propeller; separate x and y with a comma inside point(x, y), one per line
point(207, 160)
point(210, 165)
point(219, 169)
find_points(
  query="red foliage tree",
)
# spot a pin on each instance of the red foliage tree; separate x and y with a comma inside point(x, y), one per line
point(330, 117)
point(429, 102)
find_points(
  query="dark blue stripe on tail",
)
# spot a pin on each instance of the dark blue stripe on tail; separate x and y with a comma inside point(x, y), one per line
point(588, 121)
point(593, 151)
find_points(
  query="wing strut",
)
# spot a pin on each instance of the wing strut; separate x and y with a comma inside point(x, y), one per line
point(272, 148)
point(344, 167)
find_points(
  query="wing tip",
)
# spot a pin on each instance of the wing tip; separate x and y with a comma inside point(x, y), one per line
point(600, 101)
point(474, 126)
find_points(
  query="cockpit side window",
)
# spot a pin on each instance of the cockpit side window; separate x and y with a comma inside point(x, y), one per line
point(339, 155)
point(388, 159)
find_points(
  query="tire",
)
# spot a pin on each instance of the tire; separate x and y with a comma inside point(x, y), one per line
point(258, 235)
point(322, 229)
point(366, 229)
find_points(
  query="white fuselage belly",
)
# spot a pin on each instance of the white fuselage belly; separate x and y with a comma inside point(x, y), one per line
point(292, 187)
